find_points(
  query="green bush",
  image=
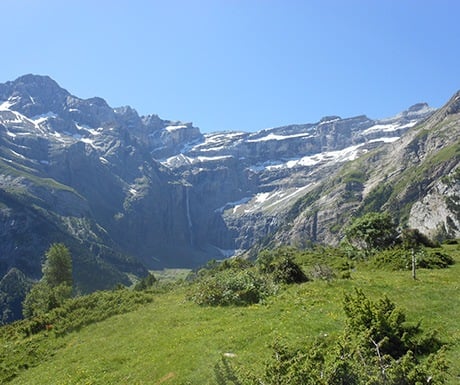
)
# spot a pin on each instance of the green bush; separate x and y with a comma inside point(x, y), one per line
point(230, 287)
point(95, 307)
point(281, 266)
point(286, 270)
point(395, 258)
point(42, 298)
point(80, 311)
point(434, 259)
point(399, 258)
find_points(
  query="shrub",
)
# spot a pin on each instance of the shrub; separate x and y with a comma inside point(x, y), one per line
point(81, 311)
point(396, 258)
point(281, 266)
point(42, 298)
point(213, 267)
point(434, 259)
point(230, 287)
point(400, 259)
point(286, 270)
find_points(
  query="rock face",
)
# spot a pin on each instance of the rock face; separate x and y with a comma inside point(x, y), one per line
point(439, 210)
point(126, 192)
point(416, 178)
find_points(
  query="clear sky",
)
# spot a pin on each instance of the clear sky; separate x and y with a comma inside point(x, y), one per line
point(240, 64)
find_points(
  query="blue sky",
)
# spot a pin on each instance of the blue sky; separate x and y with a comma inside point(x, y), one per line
point(240, 64)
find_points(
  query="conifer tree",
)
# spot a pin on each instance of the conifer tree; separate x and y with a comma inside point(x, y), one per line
point(57, 269)
point(56, 283)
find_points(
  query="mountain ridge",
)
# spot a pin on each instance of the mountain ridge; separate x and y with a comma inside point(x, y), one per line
point(129, 192)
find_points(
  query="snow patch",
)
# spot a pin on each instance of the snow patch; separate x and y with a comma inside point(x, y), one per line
point(285, 197)
point(329, 121)
point(211, 158)
point(349, 153)
point(38, 119)
point(262, 197)
point(17, 154)
point(234, 204)
point(175, 128)
point(219, 141)
point(270, 164)
point(90, 130)
point(181, 159)
point(12, 117)
point(268, 200)
point(5, 106)
point(272, 136)
point(90, 142)
point(389, 127)
point(385, 140)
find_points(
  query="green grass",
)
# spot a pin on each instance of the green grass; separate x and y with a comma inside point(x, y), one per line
point(16, 170)
point(171, 275)
point(174, 341)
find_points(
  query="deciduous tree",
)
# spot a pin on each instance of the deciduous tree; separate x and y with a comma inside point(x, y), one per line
point(372, 231)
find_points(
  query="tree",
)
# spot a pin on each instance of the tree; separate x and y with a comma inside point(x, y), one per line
point(57, 269)
point(145, 283)
point(413, 239)
point(55, 285)
point(372, 231)
point(13, 289)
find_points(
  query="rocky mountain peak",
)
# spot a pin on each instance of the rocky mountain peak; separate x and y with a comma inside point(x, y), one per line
point(418, 107)
point(33, 95)
point(453, 106)
point(33, 84)
point(330, 118)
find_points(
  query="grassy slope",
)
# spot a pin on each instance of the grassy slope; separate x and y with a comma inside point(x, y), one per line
point(173, 341)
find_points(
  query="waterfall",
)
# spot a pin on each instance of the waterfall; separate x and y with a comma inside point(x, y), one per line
point(189, 217)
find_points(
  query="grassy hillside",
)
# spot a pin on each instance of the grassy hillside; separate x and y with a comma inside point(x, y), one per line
point(171, 340)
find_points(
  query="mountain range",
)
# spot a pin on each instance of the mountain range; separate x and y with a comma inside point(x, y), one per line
point(127, 193)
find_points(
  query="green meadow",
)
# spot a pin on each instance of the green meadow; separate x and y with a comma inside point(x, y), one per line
point(169, 339)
